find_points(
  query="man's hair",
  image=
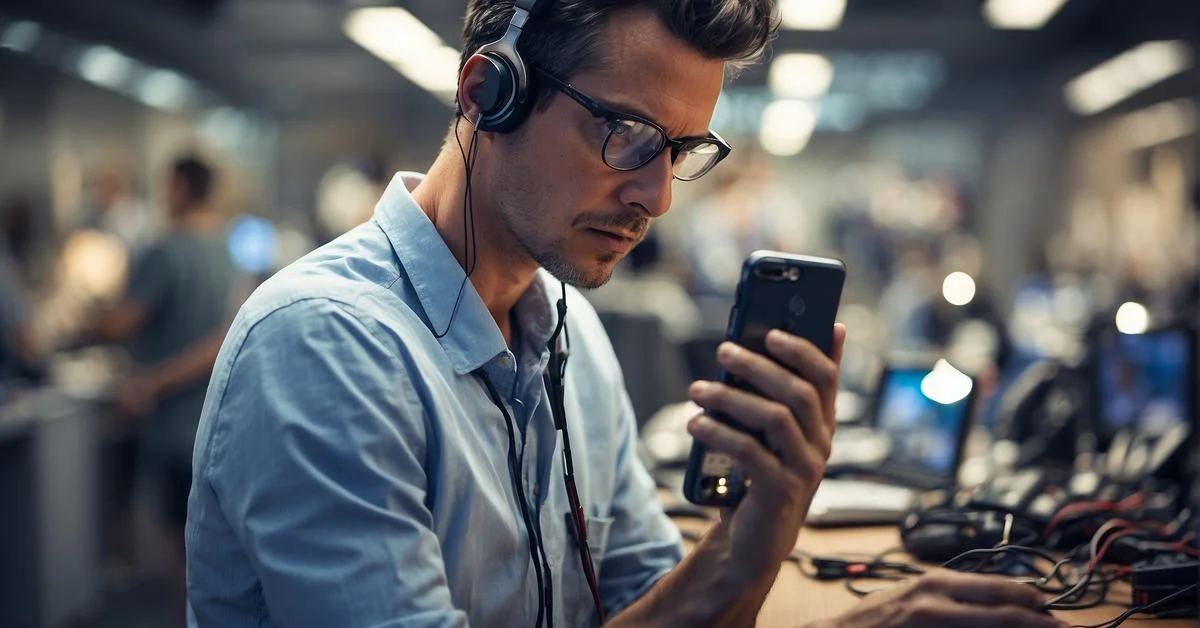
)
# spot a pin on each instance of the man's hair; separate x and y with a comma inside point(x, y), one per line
point(197, 178)
point(564, 36)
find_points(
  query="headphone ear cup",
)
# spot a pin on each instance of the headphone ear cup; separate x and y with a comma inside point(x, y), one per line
point(503, 105)
point(495, 90)
point(496, 95)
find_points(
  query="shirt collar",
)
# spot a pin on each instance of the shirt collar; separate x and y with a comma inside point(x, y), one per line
point(471, 337)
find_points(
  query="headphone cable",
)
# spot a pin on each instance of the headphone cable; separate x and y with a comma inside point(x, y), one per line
point(470, 251)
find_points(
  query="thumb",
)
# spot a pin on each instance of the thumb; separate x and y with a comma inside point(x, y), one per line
point(839, 342)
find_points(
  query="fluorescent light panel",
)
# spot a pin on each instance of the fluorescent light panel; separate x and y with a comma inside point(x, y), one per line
point(1021, 14)
point(104, 66)
point(812, 15)
point(787, 125)
point(1127, 74)
point(164, 89)
point(402, 41)
point(20, 36)
point(800, 75)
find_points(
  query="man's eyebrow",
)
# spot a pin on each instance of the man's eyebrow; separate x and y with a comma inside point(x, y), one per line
point(638, 111)
point(621, 107)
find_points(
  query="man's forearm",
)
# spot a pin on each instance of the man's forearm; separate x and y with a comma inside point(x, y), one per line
point(704, 590)
point(195, 363)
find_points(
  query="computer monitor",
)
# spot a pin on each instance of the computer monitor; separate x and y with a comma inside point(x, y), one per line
point(1145, 382)
point(925, 412)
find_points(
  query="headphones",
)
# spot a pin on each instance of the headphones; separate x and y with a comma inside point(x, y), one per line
point(504, 96)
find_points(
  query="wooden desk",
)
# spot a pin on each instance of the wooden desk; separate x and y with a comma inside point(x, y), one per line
point(796, 600)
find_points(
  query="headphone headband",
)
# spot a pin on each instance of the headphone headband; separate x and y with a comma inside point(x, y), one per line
point(504, 94)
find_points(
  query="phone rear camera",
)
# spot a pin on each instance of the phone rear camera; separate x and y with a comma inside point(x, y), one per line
point(771, 271)
point(797, 306)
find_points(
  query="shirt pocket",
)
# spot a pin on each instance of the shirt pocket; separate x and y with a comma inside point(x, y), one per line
point(578, 607)
point(597, 533)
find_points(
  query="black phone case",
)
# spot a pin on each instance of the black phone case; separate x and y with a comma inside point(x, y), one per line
point(805, 306)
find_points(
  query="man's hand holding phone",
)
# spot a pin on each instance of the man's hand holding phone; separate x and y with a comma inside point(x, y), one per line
point(795, 412)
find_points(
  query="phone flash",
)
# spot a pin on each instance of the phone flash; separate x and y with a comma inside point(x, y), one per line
point(793, 273)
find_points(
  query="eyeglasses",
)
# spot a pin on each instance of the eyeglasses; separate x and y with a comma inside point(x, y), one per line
point(634, 141)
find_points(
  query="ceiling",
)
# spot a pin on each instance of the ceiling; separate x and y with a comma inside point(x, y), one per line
point(290, 57)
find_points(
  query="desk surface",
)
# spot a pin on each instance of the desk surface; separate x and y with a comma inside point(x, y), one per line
point(796, 600)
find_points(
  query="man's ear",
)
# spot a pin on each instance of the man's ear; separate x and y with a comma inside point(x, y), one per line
point(471, 88)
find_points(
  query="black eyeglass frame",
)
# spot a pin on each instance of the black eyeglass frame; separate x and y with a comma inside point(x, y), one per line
point(614, 117)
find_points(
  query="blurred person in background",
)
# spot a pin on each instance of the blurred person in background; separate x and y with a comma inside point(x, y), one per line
point(351, 461)
point(19, 355)
point(174, 314)
point(115, 210)
point(748, 210)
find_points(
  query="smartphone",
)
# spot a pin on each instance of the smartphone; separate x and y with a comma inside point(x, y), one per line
point(796, 293)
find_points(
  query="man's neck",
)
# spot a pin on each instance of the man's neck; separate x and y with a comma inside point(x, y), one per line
point(502, 271)
point(198, 220)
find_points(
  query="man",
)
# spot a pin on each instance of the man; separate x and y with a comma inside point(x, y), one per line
point(351, 466)
point(175, 312)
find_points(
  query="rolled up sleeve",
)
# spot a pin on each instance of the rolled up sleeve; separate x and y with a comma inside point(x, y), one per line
point(318, 468)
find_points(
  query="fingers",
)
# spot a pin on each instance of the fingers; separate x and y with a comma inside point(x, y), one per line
point(809, 392)
point(759, 413)
point(804, 358)
point(839, 343)
point(934, 611)
point(979, 589)
point(764, 468)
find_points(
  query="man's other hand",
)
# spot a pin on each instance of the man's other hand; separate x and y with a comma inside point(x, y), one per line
point(944, 599)
point(136, 397)
point(796, 413)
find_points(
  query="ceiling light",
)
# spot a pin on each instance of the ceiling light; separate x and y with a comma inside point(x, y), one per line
point(20, 36)
point(1132, 318)
point(1021, 14)
point(812, 15)
point(164, 89)
point(801, 76)
point(105, 67)
point(958, 288)
point(409, 46)
point(787, 125)
point(1126, 74)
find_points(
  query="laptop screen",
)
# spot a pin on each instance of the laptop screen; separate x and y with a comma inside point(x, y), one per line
point(1142, 381)
point(925, 415)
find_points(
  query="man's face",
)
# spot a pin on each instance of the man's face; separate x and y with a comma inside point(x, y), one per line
point(571, 213)
point(177, 193)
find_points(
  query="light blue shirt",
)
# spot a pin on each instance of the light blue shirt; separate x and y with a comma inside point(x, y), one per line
point(350, 469)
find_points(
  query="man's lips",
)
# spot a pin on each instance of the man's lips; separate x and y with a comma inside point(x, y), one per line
point(615, 241)
point(623, 235)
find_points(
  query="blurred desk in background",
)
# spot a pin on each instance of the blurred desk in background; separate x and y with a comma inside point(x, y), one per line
point(796, 600)
point(49, 510)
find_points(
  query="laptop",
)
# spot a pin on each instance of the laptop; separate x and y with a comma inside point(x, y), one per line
point(1145, 402)
point(918, 430)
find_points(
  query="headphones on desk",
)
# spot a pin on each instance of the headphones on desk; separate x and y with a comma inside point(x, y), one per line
point(505, 96)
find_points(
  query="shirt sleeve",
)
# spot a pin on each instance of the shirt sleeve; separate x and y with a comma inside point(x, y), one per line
point(643, 543)
point(320, 473)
